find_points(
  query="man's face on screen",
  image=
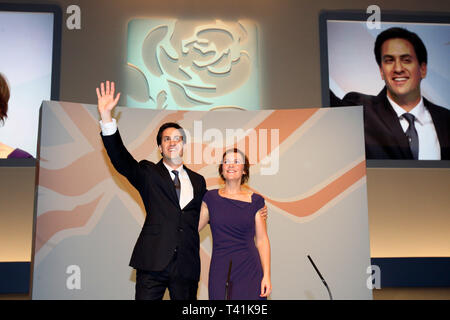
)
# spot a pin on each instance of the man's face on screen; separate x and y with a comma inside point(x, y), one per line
point(401, 71)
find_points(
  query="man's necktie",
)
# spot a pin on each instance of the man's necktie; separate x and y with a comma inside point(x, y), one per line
point(176, 182)
point(411, 133)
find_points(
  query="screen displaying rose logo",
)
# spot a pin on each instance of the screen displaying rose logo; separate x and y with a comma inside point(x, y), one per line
point(192, 64)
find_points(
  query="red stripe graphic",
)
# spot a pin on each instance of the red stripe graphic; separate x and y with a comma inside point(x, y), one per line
point(51, 222)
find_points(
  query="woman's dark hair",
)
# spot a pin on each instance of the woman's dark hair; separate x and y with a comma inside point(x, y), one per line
point(246, 174)
point(169, 125)
point(4, 98)
point(401, 33)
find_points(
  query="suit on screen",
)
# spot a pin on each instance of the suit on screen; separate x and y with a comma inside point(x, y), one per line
point(384, 136)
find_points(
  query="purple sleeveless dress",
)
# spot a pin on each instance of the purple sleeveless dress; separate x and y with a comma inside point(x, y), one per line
point(19, 154)
point(233, 231)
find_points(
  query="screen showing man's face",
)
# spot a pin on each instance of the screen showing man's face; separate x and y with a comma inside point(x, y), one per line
point(401, 71)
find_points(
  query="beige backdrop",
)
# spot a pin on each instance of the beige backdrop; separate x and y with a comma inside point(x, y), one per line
point(310, 168)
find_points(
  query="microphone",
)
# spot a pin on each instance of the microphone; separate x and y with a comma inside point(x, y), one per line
point(228, 284)
point(320, 275)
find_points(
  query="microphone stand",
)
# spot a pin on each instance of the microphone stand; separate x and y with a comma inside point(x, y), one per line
point(323, 280)
point(228, 284)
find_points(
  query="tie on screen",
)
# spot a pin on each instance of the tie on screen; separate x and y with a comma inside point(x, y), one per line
point(176, 182)
point(411, 133)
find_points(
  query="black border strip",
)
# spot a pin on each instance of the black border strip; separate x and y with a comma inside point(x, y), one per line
point(14, 277)
point(407, 163)
point(414, 272)
point(29, 162)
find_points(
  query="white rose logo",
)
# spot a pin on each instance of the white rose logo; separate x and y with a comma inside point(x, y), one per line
point(193, 65)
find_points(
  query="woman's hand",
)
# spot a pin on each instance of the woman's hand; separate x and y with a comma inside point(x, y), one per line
point(263, 212)
point(106, 101)
point(266, 287)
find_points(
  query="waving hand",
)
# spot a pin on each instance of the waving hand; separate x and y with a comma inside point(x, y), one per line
point(106, 101)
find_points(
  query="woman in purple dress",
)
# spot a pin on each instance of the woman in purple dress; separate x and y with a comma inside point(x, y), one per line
point(240, 262)
point(5, 150)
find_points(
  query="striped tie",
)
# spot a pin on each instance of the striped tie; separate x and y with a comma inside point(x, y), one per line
point(177, 183)
point(411, 133)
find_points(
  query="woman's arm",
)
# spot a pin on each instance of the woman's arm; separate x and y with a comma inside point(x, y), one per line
point(263, 245)
point(204, 216)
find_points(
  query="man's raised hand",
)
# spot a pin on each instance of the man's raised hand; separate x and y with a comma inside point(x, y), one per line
point(106, 101)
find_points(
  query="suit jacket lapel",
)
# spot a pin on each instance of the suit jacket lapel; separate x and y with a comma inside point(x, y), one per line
point(195, 184)
point(390, 119)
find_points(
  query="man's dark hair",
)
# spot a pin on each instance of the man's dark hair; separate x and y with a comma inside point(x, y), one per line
point(4, 97)
point(401, 33)
point(169, 125)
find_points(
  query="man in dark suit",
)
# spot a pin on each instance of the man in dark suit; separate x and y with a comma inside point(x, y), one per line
point(166, 254)
point(399, 123)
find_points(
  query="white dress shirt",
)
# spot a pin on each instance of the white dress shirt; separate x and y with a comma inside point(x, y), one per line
point(109, 128)
point(186, 192)
point(429, 148)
